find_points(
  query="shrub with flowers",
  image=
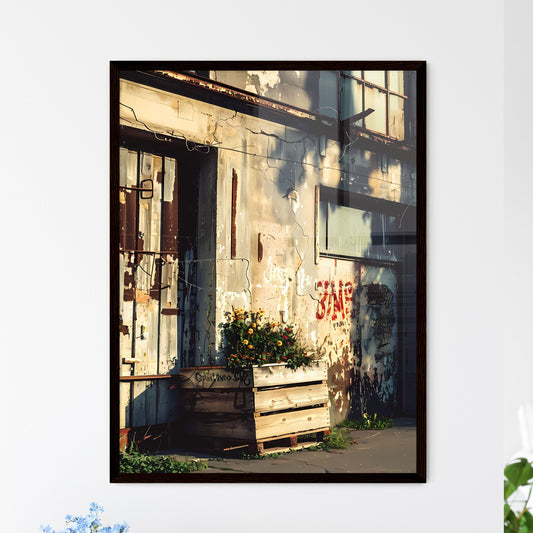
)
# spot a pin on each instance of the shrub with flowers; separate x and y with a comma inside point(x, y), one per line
point(251, 340)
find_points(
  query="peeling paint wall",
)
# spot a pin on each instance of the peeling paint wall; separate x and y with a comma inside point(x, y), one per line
point(295, 87)
point(257, 232)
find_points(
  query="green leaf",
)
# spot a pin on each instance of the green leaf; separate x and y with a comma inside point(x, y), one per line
point(511, 520)
point(527, 521)
point(507, 512)
point(519, 472)
point(508, 489)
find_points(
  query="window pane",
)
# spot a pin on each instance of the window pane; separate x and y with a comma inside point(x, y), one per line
point(351, 98)
point(358, 233)
point(349, 231)
point(355, 73)
point(375, 76)
point(322, 226)
point(396, 81)
point(396, 117)
point(376, 100)
point(328, 93)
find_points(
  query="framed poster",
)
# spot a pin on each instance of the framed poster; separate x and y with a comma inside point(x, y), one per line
point(268, 271)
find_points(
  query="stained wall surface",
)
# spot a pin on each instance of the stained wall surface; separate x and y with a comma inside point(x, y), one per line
point(274, 223)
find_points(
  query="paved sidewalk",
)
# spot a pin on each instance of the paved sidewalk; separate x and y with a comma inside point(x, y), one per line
point(374, 451)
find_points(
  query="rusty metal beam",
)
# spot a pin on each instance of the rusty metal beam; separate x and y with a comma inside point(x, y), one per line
point(240, 94)
point(374, 141)
point(215, 93)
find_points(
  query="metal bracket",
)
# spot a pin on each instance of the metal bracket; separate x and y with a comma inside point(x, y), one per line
point(143, 189)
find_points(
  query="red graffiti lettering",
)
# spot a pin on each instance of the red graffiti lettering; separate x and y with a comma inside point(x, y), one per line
point(348, 291)
point(321, 307)
point(334, 302)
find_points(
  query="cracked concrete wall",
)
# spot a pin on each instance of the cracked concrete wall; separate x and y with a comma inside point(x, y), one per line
point(277, 169)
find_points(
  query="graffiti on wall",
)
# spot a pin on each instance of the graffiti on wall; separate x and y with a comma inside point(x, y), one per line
point(380, 317)
point(334, 300)
point(355, 310)
point(374, 389)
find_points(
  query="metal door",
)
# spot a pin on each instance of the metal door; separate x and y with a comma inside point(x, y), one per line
point(148, 288)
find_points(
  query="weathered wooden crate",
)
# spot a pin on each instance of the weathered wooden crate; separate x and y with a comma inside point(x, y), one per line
point(264, 404)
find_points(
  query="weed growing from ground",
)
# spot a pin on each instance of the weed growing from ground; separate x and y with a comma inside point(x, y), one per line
point(368, 422)
point(336, 440)
point(140, 463)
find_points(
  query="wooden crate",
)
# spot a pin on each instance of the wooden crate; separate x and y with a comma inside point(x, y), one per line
point(263, 404)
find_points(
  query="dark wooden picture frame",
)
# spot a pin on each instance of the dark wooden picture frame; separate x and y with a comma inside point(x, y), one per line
point(232, 186)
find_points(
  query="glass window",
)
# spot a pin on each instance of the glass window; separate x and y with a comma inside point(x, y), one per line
point(327, 94)
point(396, 117)
point(354, 73)
point(376, 100)
point(323, 225)
point(352, 232)
point(375, 76)
point(351, 98)
point(389, 109)
point(396, 81)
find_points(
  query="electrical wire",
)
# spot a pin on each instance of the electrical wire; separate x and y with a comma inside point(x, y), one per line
point(205, 149)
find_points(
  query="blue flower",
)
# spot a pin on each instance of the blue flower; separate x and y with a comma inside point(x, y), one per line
point(88, 524)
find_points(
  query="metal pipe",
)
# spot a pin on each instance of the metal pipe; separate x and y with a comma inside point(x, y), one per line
point(241, 94)
point(147, 252)
point(134, 287)
point(160, 267)
point(147, 378)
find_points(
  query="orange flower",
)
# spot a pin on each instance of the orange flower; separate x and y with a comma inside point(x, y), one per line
point(250, 346)
point(245, 341)
point(253, 325)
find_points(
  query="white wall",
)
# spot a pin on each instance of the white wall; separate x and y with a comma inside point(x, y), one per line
point(55, 257)
point(518, 288)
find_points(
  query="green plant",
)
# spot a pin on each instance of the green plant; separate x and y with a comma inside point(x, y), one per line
point(265, 455)
point(516, 494)
point(368, 422)
point(253, 340)
point(137, 463)
point(336, 440)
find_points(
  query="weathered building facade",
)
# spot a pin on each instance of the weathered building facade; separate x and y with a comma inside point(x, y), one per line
point(290, 191)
